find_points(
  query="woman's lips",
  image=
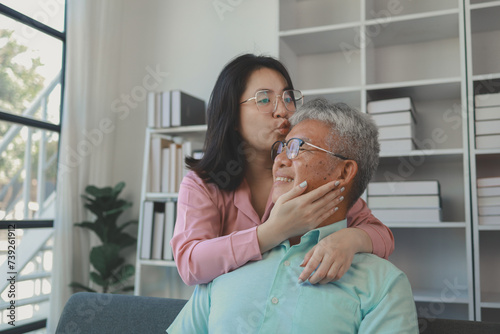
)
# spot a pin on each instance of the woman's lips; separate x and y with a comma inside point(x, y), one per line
point(284, 127)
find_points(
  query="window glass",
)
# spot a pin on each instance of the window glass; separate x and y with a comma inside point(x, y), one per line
point(48, 12)
point(33, 281)
point(30, 67)
point(28, 168)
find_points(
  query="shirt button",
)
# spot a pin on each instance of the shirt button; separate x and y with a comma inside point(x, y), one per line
point(286, 263)
point(274, 300)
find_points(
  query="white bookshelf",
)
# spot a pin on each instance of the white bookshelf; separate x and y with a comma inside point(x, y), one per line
point(483, 73)
point(416, 49)
point(160, 278)
point(441, 53)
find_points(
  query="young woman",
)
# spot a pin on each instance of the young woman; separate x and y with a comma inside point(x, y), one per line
point(225, 216)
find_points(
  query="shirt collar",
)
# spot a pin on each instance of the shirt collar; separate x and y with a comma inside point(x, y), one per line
point(322, 232)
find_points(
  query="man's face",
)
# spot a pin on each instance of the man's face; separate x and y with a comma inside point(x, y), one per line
point(311, 165)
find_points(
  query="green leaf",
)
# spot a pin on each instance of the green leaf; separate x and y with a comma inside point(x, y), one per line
point(99, 192)
point(122, 239)
point(121, 208)
point(88, 225)
point(124, 289)
point(125, 273)
point(77, 285)
point(105, 259)
point(95, 208)
point(118, 189)
point(96, 278)
point(88, 199)
point(122, 226)
point(98, 229)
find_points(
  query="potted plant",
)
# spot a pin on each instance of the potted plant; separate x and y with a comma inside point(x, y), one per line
point(111, 271)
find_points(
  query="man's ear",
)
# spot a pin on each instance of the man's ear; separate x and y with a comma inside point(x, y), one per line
point(348, 172)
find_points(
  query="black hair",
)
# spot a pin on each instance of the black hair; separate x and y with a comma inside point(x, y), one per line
point(223, 162)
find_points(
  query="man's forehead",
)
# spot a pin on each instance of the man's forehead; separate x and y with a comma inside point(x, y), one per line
point(305, 129)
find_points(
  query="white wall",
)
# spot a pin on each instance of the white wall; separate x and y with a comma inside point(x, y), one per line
point(191, 40)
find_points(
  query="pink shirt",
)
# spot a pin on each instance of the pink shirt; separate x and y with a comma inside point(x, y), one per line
point(216, 231)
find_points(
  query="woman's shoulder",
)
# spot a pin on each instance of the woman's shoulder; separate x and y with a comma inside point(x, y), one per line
point(194, 181)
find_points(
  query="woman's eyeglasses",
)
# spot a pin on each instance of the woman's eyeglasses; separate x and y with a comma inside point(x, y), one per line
point(267, 100)
point(293, 146)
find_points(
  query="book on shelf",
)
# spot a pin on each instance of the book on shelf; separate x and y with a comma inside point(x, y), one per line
point(403, 202)
point(174, 108)
point(147, 229)
point(393, 118)
point(165, 109)
point(180, 167)
point(488, 141)
point(489, 220)
point(488, 201)
point(404, 188)
point(167, 167)
point(489, 210)
point(165, 170)
point(396, 132)
point(487, 113)
point(408, 215)
point(488, 191)
point(487, 100)
point(187, 151)
point(390, 145)
point(488, 182)
point(158, 228)
point(186, 109)
point(174, 166)
point(390, 105)
point(158, 145)
point(488, 127)
point(154, 101)
point(170, 214)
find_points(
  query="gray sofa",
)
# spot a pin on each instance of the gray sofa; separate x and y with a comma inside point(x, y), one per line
point(98, 313)
point(89, 313)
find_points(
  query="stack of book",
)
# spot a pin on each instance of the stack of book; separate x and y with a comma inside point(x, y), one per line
point(396, 121)
point(487, 112)
point(409, 201)
point(175, 108)
point(488, 200)
point(157, 230)
point(167, 167)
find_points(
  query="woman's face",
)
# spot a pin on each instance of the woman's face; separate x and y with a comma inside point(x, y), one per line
point(258, 129)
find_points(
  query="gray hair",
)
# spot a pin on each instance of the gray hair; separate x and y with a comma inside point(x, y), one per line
point(358, 137)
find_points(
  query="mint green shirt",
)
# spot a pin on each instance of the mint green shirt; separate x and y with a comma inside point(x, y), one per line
point(265, 297)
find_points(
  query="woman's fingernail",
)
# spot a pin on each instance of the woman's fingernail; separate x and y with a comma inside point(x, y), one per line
point(337, 183)
point(335, 210)
point(342, 189)
point(341, 198)
point(300, 281)
point(303, 184)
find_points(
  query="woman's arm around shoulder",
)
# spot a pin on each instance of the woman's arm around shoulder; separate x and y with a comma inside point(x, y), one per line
point(361, 217)
point(200, 250)
point(330, 259)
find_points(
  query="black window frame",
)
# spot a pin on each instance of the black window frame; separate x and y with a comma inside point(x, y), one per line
point(27, 121)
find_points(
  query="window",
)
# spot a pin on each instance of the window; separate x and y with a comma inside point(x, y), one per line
point(32, 49)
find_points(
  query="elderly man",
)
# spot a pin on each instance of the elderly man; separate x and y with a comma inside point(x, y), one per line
point(327, 142)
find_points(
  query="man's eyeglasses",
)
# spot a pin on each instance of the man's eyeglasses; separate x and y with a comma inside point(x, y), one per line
point(293, 146)
point(267, 100)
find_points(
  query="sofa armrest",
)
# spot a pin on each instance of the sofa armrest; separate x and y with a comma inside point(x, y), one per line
point(87, 312)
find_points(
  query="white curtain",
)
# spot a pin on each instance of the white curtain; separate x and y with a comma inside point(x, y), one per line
point(88, 123)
